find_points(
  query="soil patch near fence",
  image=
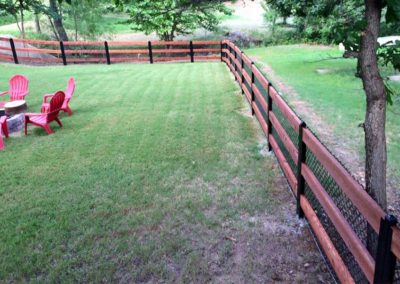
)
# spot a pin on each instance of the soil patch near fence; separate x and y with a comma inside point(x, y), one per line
point(342, 148)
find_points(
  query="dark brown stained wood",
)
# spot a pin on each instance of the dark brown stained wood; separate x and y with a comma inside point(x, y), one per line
point(260, 118)
point(34, 41)
point(284, 164)
point(354, 244)
point(396, 242)
point(129, 51)
point(330, 250)
point(246, 77)
point(285, 109)
point(260, 77)
point(207, 50)
point(260, 98)
point(6, 57)
point(284, 137)
point(5, 48)
point(129, 43)
point(38, 59)
point(238, 51)
point(247, 93)
point(209, 57)
point(368, 207)
point(166, 58)
point(85, 51)
point(170, 50)
point(38, 50)
point(246, 60)
point(131, 59)
point(207, 42)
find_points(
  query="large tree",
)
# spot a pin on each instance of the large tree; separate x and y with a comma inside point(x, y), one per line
point(357, 23)
point(168, 18)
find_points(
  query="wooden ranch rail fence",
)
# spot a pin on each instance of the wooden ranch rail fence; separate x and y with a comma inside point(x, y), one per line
point(72, 52)
point(360, 241)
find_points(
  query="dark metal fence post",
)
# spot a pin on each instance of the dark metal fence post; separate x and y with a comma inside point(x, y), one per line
point(241, 70)
point(268, 120)
point(107, 52)
point(385, 262)
point(234, 62)
point(14, 52)
point(301, 159)
point(222, 54)
point(191, 52)
point(64, 58)
point(252, 90)
point(150, 52)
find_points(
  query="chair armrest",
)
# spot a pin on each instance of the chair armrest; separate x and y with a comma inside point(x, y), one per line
point(45, 97)
point(3, 93)
point(35, 114)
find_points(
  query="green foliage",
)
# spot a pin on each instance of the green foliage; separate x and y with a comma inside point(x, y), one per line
point(169, 18)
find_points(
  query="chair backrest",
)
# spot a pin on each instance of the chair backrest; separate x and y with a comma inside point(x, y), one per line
point(70, 88)
point(18, 87)
point(56, 103)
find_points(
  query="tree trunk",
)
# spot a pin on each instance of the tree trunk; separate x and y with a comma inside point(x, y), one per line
point(57, 21)
point(37, 23)
point(375, 116)
point(21, 11)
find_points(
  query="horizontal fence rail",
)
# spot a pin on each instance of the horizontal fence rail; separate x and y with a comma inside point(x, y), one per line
point(360, 241)
point(74, 52)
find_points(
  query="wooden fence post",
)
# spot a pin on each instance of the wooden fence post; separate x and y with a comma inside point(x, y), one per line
point(14, 52)
point(222, 55)
point(107, 52)
point(301, 159)
point(385, 262)
point(150, 52)
point(191, 52)
point(64, 58)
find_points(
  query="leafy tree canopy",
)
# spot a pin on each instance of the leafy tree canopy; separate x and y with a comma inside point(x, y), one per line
point(169, 18)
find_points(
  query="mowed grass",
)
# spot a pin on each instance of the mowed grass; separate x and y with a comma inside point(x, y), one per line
point(327, 83)
point(139, 185)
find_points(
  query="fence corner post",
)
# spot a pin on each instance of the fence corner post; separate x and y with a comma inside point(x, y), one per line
point(107, 53)
point(14, 51)
point(385, 262)
point(64, 58)
point(252, 88)
point(150, 52)
point(191, 51)
point(268, 120)
point(300, 179)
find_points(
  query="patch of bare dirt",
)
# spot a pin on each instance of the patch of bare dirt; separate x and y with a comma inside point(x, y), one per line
point(343, 148)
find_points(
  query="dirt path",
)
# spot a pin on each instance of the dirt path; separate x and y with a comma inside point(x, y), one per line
point(343, 148)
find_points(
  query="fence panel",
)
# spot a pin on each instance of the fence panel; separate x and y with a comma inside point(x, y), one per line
point(344, 218)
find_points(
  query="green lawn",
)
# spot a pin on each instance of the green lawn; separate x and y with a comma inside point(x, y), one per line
point(335, 94)
point(150, 180)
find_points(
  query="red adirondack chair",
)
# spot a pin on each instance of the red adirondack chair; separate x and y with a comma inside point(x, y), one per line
point(68, 95)
point(18, 89)
point(44, 119)
point(4, 129)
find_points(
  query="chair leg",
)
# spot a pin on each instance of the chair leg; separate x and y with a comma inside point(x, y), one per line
point(59, 122)
point(26, 126)
point(5, 129)
point(68, 109)
point(2, 146)
point(48, 129)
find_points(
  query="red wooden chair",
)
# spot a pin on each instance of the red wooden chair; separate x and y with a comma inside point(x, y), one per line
point(44, 119)
point(18, 89)
point(68, 95)
point(4, 129)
